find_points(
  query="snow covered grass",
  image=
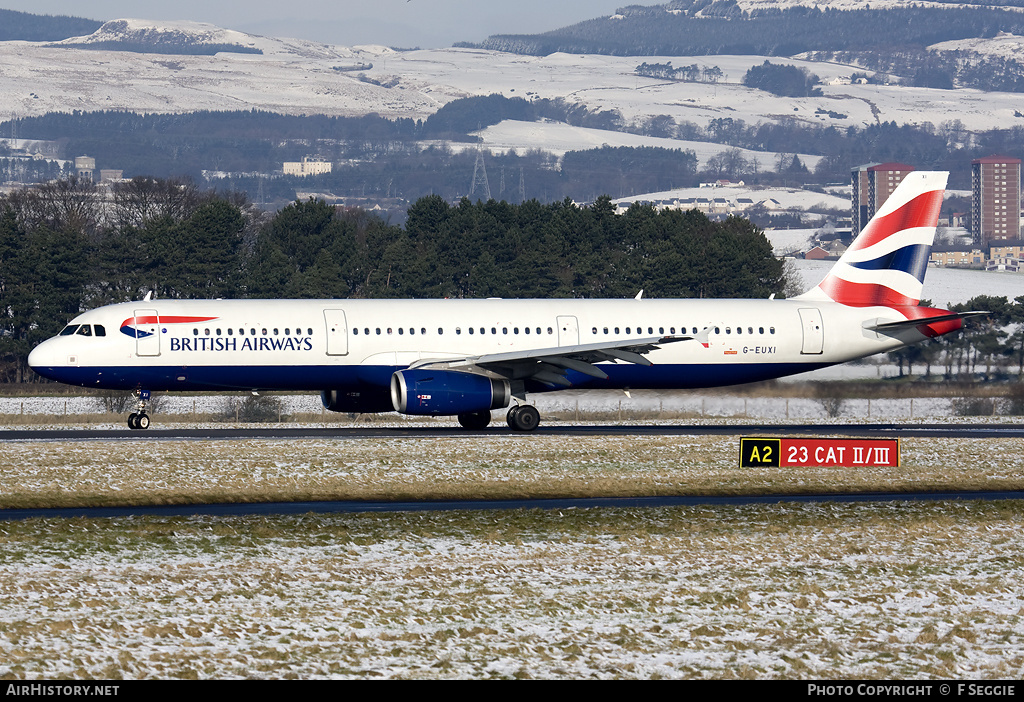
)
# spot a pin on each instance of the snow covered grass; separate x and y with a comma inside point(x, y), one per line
point(90, 473)
point(856, 591)
point(891, 590)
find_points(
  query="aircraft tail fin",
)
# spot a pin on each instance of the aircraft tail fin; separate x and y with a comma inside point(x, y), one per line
point(886, 263)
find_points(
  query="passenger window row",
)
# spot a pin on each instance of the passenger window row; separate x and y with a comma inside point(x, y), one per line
point(682, 330)
point(458, 330)
point(252, 331)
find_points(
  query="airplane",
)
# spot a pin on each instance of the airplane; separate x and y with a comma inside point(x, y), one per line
point(470, 357)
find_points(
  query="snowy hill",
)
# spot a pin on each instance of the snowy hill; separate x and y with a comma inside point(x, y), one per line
point(748, 5)
point(303, 77)
point(163, 37)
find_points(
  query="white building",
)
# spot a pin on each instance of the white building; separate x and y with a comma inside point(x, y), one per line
point(307, 167)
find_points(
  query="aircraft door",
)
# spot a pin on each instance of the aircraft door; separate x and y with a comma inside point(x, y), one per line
point(337, 332)
point(568, 331)
point(813, 331)
point(147, 333)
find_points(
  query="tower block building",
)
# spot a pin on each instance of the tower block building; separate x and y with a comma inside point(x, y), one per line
point(873, 183)
point(995, 199)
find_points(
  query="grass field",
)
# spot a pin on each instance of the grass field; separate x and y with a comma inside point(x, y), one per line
point(898, 590)
point(892, 590)
point(84, 473)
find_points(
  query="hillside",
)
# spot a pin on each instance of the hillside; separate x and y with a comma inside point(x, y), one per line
point(702, 27)
point(192, 38)
point(23, 26)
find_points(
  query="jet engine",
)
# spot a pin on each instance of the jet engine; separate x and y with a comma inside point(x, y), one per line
point(435, 392)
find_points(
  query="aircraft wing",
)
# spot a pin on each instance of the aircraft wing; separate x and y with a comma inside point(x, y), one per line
point(549, 365)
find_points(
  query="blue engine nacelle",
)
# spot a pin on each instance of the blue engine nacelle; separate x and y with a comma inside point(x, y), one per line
point(358, 399)
point(439, 392)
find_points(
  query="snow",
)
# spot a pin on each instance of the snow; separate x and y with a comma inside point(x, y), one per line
point(893, 590)
point(559, 137)
point(748, 5)
point(1003, 45)
point(300, 77)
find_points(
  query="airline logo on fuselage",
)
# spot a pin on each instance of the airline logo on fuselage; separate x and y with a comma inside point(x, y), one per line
point(129, 327)
point(165, 325)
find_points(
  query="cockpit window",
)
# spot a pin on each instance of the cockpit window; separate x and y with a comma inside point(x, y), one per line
point(83, 330)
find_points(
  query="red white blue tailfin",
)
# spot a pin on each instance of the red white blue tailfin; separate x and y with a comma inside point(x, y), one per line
point(886, 263)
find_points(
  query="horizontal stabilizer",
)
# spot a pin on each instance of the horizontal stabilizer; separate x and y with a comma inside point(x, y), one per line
point(889, 327)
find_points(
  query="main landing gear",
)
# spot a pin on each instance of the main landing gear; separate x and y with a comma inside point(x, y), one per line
point(523, 417)
point(139, 419)
point(519, 418)
point(475, 421)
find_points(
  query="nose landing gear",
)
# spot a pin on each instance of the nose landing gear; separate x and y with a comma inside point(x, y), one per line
point(139, 419)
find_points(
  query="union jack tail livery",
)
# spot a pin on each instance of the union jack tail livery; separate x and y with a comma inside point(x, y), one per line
point(886, 263)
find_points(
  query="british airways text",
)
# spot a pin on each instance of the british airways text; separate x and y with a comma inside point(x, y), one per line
point(262, 343)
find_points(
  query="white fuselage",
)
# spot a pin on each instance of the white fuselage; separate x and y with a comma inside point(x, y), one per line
point(322, 344)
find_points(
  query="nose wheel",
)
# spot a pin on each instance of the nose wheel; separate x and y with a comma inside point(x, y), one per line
point(523, 418)
point(139, 419)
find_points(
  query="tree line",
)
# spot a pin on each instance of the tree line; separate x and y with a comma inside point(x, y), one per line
point(68, 246)
point(990, 347)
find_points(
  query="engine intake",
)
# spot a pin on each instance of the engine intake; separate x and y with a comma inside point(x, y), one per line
point(432, 392)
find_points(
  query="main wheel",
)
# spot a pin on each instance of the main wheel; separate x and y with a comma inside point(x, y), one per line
point(475, 420)
point(510, 418)
point(523, 418)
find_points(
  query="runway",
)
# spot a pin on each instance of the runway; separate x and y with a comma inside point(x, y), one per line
point(888, 430)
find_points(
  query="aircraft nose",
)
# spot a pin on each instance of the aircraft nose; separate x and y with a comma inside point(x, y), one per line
point(43, 356)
